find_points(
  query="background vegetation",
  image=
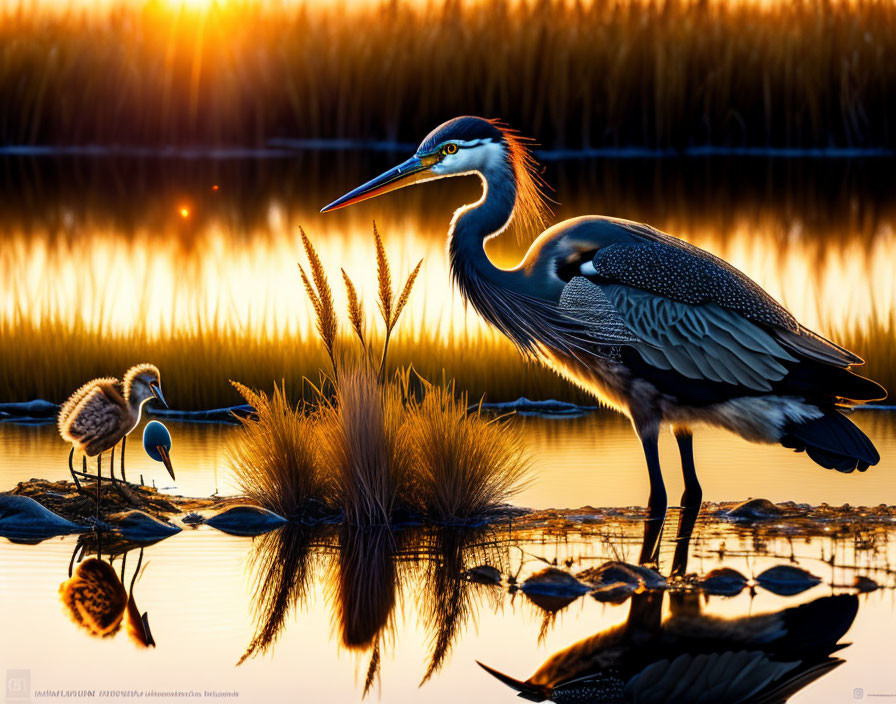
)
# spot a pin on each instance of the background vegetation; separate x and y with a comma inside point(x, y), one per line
point(819, 234)
point(588, 73)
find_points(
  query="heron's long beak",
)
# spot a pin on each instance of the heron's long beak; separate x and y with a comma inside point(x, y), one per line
point(166, 460)
point(412, 171)
point(157, 393)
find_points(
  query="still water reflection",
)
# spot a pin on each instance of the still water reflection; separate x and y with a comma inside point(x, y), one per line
point(595, 459)
point(335, 614)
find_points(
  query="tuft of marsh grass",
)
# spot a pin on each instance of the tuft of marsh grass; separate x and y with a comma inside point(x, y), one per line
point(467, 464)
point(364, 443)
point(274, 462)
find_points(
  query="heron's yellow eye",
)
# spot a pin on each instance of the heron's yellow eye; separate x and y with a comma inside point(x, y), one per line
point(449, 148)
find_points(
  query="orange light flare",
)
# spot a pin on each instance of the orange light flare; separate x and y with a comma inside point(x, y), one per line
point(184, 212)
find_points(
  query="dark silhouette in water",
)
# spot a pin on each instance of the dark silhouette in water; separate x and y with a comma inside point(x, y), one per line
point(656, 328)
point(692, 657)
point(95, 596)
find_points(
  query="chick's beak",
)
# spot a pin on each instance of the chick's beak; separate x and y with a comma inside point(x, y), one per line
point(166, 459)
point(157, 393)
point(414, 170)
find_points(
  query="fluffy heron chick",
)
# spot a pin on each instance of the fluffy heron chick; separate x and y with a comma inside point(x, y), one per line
point(103, 411)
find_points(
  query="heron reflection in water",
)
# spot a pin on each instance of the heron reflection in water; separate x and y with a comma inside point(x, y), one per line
point(691, 657)
point(654, 327)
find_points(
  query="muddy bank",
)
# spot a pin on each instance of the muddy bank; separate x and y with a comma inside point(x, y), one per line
point(63, 499)
point(237, 515)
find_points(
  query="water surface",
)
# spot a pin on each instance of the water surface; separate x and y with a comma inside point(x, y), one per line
point(343, 610)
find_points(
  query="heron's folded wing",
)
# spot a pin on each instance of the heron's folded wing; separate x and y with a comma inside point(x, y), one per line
point(587, 304)
point(668, 267)
point(704, 341)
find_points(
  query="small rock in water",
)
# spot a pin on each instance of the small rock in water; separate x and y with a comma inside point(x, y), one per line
point(554, 582)
point(615, 593)
point(786, 580)
point(723, 581)
point(23, 517)
point(246, 520)
point(483, 574)
point(192, 519)
point(141, 527)
point(614, 572)
point(865, 584)
point(754, 510)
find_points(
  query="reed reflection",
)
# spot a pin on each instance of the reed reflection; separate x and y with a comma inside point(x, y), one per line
point(369, 573)
point(449, 598)
point(281, 562)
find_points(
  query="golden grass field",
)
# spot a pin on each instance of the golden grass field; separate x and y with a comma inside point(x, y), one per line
point(101, 271)
point(794, 73)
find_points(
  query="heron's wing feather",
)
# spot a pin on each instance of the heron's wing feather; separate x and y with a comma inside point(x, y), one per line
point(586, 303)
point(704, 678)
point(669, 267)
point(701, 341)
point(98, 414)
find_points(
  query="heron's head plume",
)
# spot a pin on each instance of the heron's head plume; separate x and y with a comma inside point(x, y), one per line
point(462, 146)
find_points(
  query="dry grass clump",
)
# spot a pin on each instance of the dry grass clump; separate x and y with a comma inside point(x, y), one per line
point(370, 445)
point(274, 463)
point(363, 439)
point(467, 463)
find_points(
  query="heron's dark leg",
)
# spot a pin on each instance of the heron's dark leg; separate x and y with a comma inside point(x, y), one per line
point(112, 466)
point(123, 441)
point(656, 504)
point(691, 500)
point(693, 494)
point(136, 572)
point(71, 469)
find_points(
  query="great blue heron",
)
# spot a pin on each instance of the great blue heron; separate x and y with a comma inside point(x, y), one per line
point(652, 326)
point(104, 411)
